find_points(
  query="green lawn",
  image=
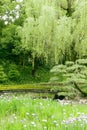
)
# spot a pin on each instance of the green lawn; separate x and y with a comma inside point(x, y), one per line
point(21, 112)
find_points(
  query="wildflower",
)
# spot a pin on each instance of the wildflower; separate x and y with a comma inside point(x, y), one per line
point(25, 126)
point(57, 124)
point(4, 17)
point(54, 121)
point(78, 113)
point(41, 103)
point(27, 113)
point(11, 121)
point(12, 20)
point(33, 123)
point(12, 12)
point(19, 0)
point(33, 114)
point(17, 7)
point(17, 16)
point(81, 124)
point(10, 17)
point(44, 120)
point(45, 127)
point(52, 116)
point(64, 110)
point(15, 117)
point(6, 22)
point(13, 114)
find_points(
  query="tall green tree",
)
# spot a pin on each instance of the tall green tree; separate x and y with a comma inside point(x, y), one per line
point(11, 15)
point(80, 30)
point(36, 34)
point(52, 31)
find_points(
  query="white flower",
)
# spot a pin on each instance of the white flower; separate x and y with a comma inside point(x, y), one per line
point(56, 124)
point(17, 16)
point(44, 120)
point(41, 103)
point(12, 12)
point(4, 17)
point(19, 0)
point(6, 22)
point(7, 12)
point(52, 116)
point(27, 113)
point(17, 7)
point(33, 114)
point(54, 121)
point(34, 124)
point(11, 121)
point(25, 126)
point(45, 127)
point(13, 21)
point(10, 17)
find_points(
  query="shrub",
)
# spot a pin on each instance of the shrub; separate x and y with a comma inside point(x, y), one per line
point(3, 76)
point(71, 73)
point(69, 63)
point(82, 61)
point(13, 73)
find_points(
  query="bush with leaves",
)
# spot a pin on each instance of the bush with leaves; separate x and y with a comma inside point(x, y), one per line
point(13, 73)
point(3, 76)
point(71, 73)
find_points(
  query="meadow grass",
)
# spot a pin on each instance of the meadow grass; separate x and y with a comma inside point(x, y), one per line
point(24, 113)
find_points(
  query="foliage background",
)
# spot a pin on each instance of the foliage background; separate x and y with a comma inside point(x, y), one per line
point(35, 35)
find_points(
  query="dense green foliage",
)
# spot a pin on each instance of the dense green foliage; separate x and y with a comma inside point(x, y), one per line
point(3, 76)
point(38, 34)
point(13, 73)
point(72, 75)
point(23, 113)
point(70, 71)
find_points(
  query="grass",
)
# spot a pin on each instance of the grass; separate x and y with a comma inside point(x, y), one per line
point(24, 113)
point(24, 86)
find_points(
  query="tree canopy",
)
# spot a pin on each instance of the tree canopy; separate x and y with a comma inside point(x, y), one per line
point(55, 29)
point(48, 32)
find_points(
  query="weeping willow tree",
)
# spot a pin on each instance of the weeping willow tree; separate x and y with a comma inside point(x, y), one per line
point(63, 40)
point(43, 25)
point(80, 30)
point(54, 30)
point(37, 33)
point(72, 32)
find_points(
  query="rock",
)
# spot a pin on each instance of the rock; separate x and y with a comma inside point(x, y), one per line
point(60, 97)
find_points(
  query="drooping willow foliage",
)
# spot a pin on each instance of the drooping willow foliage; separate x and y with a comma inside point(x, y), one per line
point(55, 29)
point(80, 31)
